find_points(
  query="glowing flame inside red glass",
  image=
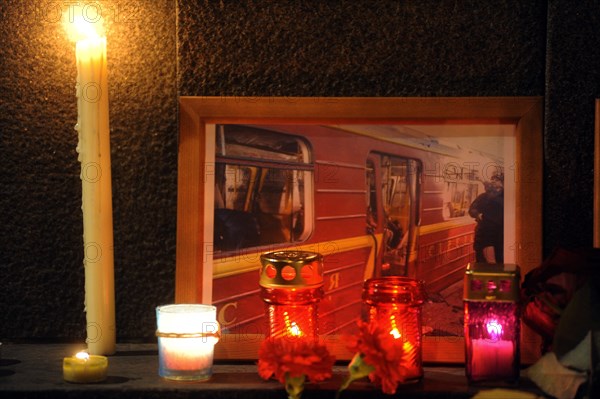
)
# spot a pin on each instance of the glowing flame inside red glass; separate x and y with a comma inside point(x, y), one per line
point(291, 326)
point(395, 333)
point(494, 329)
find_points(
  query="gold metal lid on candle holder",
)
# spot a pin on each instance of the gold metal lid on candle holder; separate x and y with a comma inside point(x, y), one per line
point(394, 289)
point(492, 282)
point(291, 269)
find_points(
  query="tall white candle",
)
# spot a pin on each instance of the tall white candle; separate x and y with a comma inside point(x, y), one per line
point(94, 154)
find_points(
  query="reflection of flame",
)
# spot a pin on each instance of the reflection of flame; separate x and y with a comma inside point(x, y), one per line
point(82, 355)
point(83, 22)
point(395, 332)
point(406, 345)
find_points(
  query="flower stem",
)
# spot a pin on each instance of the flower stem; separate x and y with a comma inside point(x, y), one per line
point(358, 369)
point(294, 386)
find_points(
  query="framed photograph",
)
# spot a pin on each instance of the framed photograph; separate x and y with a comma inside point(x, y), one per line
point(378, 186)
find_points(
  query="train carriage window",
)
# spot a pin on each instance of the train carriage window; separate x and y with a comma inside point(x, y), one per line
point(262, 181)
point(461, 189)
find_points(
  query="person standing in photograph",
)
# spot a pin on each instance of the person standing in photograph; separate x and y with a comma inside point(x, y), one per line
point(488, 211)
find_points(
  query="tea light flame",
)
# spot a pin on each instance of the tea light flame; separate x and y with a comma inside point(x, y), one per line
point(83, 356)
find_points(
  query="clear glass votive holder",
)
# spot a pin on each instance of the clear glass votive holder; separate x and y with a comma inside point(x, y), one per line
point(187, 334)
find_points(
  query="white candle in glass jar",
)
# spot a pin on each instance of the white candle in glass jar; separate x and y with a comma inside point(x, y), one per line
point(187, 334)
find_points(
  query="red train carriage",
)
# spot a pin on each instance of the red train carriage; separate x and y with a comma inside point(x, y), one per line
point(372, 206)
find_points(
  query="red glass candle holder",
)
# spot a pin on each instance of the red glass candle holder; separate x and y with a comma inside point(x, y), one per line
point(291, 286)
point(492, 322)
point(396, 302)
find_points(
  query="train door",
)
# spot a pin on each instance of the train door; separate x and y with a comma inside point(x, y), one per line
point(393, 205)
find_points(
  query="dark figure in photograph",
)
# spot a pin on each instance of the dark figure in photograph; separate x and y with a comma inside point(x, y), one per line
point(488, 211)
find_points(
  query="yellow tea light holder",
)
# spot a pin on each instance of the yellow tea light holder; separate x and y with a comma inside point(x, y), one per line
point(84, 368)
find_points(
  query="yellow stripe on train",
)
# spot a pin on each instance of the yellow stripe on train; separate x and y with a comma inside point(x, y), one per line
point(443, 226)
point(249, 260)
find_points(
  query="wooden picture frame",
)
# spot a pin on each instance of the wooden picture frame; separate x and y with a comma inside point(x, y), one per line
point(597, 175)
point(194, 277)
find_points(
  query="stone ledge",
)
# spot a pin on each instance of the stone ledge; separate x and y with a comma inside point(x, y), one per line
point(35, 371)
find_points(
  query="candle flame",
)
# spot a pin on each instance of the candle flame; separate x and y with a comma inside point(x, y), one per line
point(295, 330)
point(83, 356)
point(395, 332)
point(494, 329)
point(83, 23)
point(291, 326)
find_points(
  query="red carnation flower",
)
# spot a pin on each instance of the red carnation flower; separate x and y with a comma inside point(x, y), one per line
point(378, 356)
point(291, 360)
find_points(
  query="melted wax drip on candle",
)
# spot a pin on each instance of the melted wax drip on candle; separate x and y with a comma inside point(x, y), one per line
point(78, 124)
point(81, 145)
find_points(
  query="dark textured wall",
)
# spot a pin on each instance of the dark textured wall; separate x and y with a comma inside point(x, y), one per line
point(251, 48)
point(572, 85)
point(362, 48)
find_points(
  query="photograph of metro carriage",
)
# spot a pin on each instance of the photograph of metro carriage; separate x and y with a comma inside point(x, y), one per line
point(375, 200)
